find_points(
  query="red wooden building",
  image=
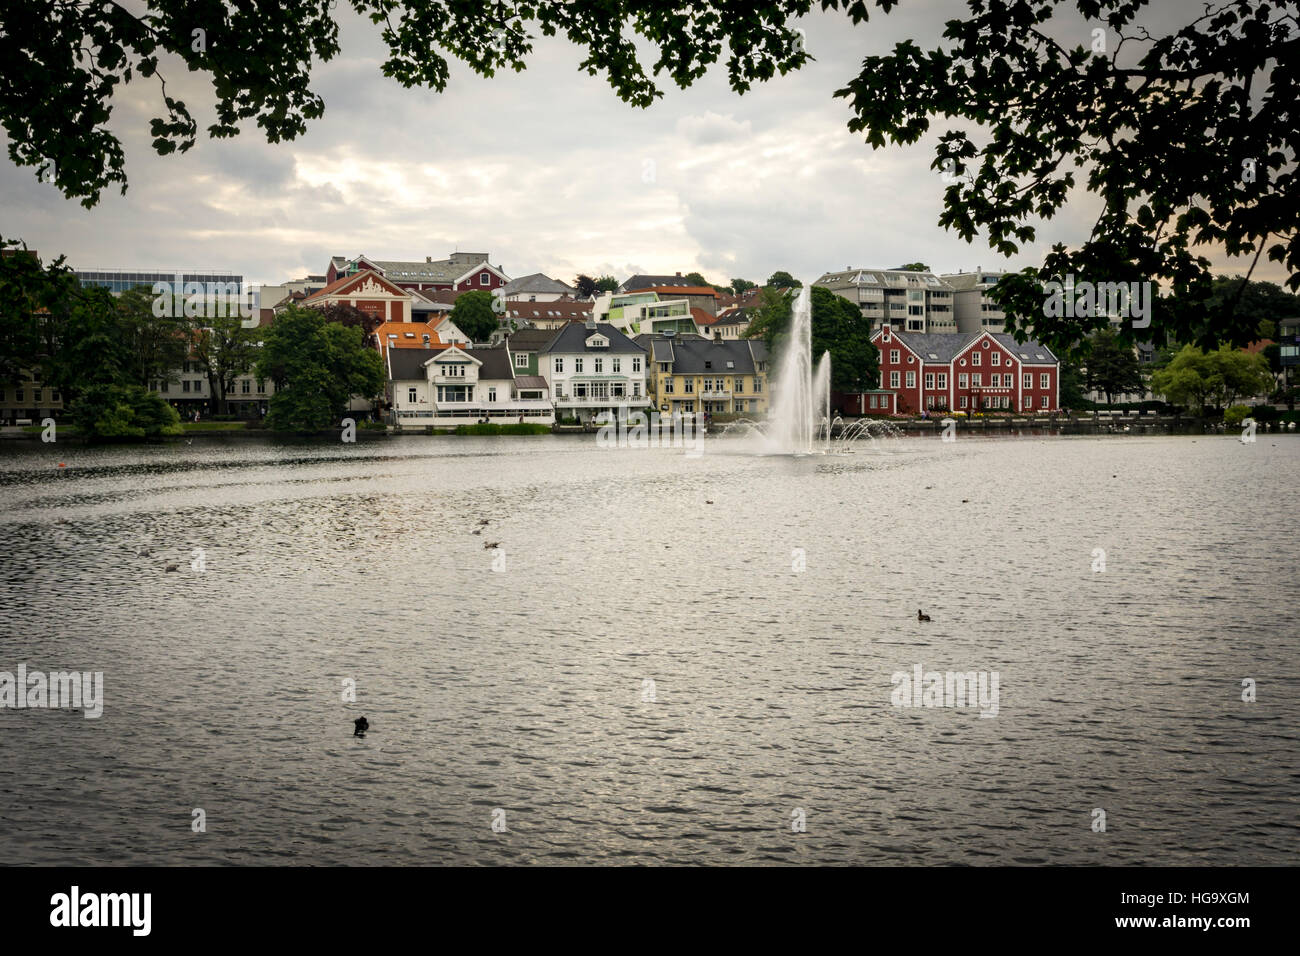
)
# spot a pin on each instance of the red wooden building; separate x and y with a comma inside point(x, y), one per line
point(965, 371)
point(462, 271)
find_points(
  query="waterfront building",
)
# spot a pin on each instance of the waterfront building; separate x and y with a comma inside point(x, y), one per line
point(968, 372)
point(454, 386)
point(716, 375)
point(592, 367)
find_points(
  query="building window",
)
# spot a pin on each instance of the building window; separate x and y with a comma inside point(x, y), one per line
point(559, 364)
point(758, 385)
point(668, 386)
point(943, 380)
point(995, 358)
point(911, 380)
point(246, 387)
point(1008, 380)
point(929, 380)
point(893, 357)
point(636, 389)
point(577, 365)
point(1044, 401)
point(261, 387)
point(1029, 380)
point(412, 395)
point(740, 385)
point(600, 365)
point(492, 393)
point(893, 380)
point(616, 365)
point(963, 401)
point(185, 387)
point(929, 401)
point(636, 363)
point(161, 388)
point(1044, 381)
point(962, 381)
point(485, 278)
point(690, 385)
point(976, 379)
point(1027, 402)
point(975, 358)
point(521, 360)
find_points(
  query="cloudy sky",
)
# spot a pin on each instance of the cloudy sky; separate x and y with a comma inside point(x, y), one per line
point(546, 170)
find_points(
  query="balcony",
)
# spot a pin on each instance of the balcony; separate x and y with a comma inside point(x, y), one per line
point(715, 395)
point(570, 401)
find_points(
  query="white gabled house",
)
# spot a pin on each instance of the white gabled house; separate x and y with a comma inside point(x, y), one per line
point(592, 367)
point(454, 386)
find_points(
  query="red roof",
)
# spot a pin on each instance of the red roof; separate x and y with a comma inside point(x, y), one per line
point(364, 275)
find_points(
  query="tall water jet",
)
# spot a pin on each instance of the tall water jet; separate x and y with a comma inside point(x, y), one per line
point(821, 389)
point(801, 398)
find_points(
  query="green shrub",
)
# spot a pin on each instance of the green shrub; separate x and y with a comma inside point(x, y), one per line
point(481, 428)
point(1234, 415)
point(124, 411)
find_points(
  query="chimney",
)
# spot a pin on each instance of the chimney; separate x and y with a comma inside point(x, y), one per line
point(426, 340)
point(679, 275)
point(428, 258)
point(591, 321)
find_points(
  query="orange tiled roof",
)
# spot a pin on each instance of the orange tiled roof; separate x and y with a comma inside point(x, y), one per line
point(417, 331)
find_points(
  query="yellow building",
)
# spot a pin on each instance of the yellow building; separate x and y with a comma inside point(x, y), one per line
point(695, 374)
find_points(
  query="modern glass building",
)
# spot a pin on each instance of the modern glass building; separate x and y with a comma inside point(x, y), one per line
point(120, 280)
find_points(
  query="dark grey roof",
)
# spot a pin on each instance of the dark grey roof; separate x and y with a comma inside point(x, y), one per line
point(690, 355)
point(943, 346)
point(404, 364)
point(1028, 351)
point(649, 282)
point(530, 381)
point(531, 340)
point(496, 364)
point(537, 282)
point(573, 338)
point(934, 346)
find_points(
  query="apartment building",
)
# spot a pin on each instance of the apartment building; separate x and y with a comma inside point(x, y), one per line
point(908, 300)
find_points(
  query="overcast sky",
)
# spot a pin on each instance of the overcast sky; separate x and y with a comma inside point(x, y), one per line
point(547, 170)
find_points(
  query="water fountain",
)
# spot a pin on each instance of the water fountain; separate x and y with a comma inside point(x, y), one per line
point(799, 421)
point(801, 406)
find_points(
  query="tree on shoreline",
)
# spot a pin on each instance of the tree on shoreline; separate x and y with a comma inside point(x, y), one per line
point(837, 327)
point(317, 366)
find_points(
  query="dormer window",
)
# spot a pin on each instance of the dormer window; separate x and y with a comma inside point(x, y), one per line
point(485, 278)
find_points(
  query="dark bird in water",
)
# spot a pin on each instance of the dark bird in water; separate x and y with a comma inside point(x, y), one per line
point(482, 520)
point(477, 531)
point(172, 567)
point(489, 545)
point(146, 553)
point(920, 616)
point(361, 725)
point(965, 500)
point(708, 502)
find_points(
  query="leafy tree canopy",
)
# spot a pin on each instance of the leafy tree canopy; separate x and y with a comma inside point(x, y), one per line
point(606, 284)
point(741, 286)
point(585, 286)
point(837, 327)
point(1187, 138)
point(317, 366)
point(783, 280)
point(1195, 378)
point(474, 316)
point(913, 267)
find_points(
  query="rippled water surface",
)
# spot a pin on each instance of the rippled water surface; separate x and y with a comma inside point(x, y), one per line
point(522, 688)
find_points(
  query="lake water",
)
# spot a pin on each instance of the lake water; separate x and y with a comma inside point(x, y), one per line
point(525, 688)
